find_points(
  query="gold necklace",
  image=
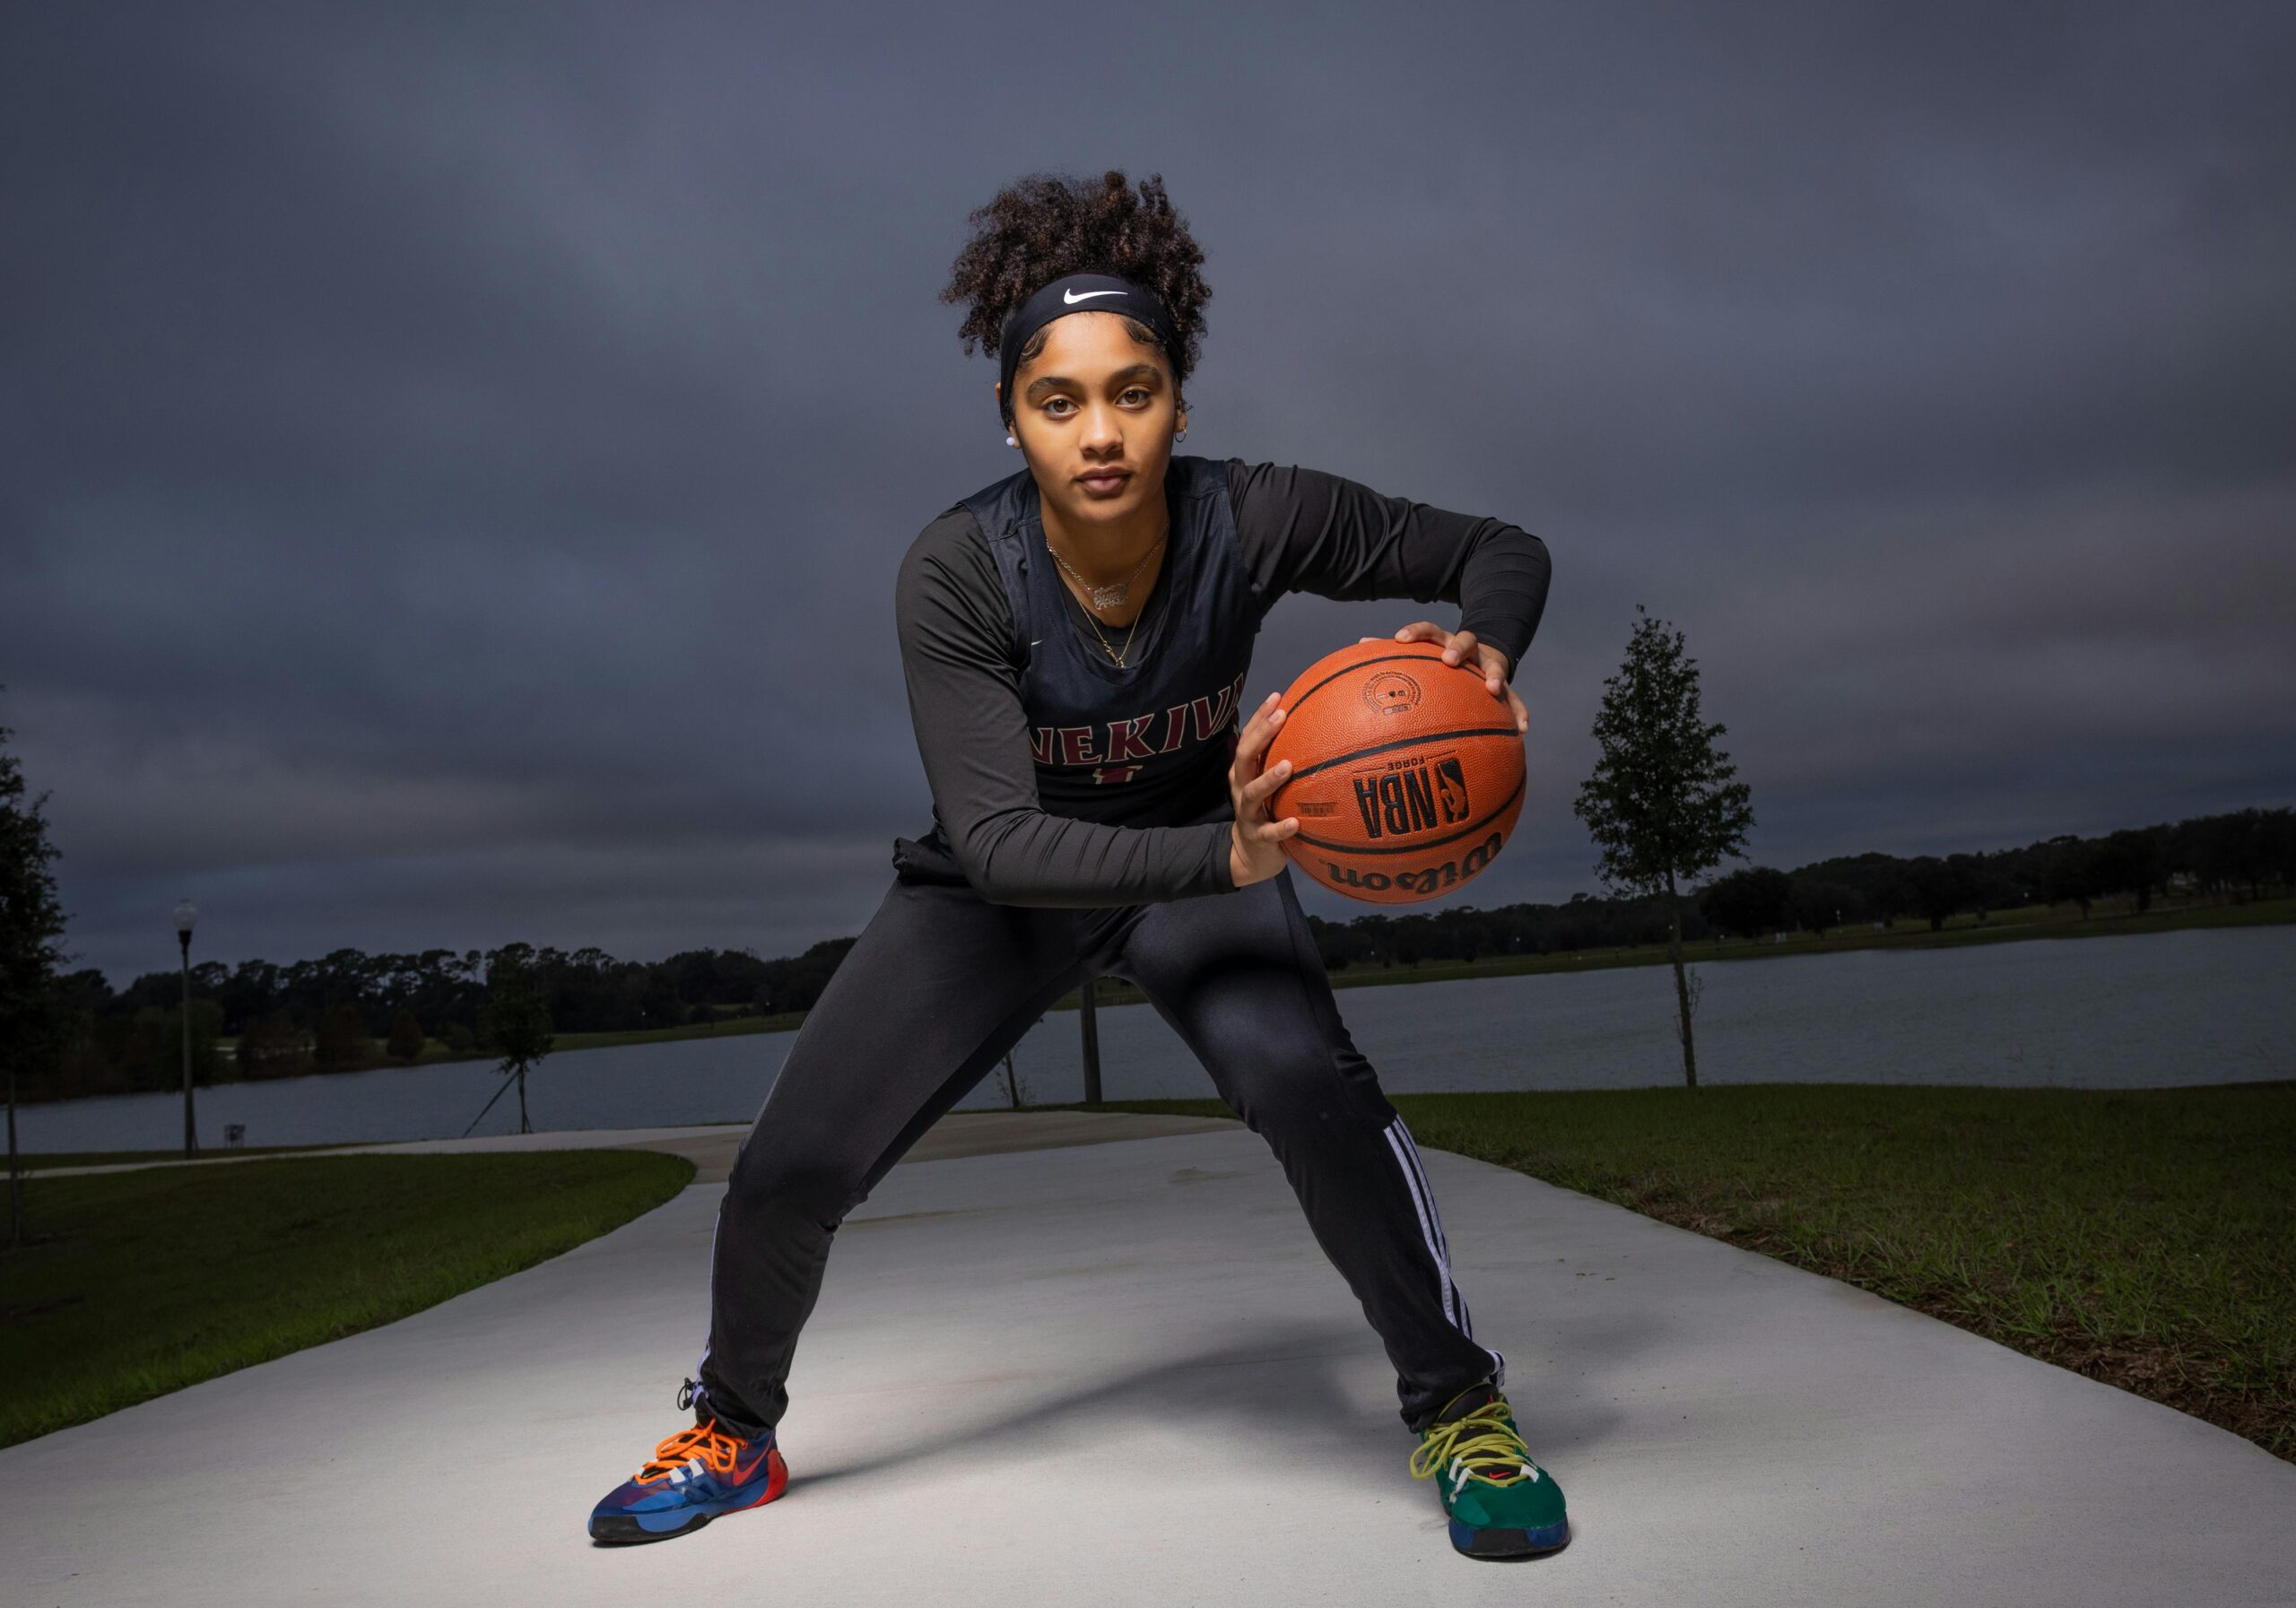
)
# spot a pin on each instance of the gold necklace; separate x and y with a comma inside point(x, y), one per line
point(1108, 597)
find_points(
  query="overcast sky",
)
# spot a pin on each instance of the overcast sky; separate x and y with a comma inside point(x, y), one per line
point(454, 460)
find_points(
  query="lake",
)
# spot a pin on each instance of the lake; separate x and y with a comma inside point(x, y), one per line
point(2207, 1005)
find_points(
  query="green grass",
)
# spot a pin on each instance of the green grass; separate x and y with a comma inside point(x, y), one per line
point(2146, 1238)
point(130, 1285)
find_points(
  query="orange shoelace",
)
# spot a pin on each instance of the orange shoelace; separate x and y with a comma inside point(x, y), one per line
point(714, 1447)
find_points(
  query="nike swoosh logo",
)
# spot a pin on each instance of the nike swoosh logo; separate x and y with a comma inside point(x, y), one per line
point(1071, 298)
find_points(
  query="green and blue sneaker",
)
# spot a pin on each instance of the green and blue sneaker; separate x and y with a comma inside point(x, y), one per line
point(1500, 1503)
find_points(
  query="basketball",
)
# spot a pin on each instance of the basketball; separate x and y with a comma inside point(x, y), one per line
point(1407, 773)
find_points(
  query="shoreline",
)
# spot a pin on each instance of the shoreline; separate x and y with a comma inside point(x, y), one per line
point(1907, 933)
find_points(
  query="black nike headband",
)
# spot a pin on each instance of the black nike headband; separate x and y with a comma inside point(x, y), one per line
point(1085, 293)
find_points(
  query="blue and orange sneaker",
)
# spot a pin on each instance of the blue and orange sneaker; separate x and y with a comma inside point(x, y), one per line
point(1501, 1504)
point(693, 1477)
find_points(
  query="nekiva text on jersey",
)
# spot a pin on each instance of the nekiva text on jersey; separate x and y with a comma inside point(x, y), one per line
point(1140, 737)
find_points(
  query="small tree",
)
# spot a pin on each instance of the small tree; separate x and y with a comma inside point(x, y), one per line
point(514, 1021)
point(1660, 804)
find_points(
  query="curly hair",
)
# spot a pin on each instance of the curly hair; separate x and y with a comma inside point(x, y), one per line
point(1045, 225)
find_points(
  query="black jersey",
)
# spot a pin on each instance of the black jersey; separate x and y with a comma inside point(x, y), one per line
point(1146, 742)
point(1060, 778)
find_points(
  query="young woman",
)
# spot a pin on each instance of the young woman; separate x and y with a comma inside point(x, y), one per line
point(1074, 640)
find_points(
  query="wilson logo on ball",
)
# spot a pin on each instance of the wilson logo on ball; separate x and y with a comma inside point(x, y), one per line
point(1422, 879)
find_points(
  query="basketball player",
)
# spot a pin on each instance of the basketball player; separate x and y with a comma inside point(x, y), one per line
point(1074, 640)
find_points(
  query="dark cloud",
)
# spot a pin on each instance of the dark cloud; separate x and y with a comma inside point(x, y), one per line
point(455, 462)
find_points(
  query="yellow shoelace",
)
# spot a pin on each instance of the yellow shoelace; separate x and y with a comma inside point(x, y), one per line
point(1482, 1443)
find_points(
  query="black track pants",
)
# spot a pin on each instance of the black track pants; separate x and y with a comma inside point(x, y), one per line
point(941, 983)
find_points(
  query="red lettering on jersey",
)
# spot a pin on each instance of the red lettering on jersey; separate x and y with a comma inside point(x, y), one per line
point(1116, 773)
point(1076, 745)
point(1125, 740)
point(1175, 728)
point(1040, 744)
point(1211, 714)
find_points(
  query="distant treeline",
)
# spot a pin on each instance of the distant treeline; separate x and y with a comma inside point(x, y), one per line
point(330, 1014)
point(2242, 855)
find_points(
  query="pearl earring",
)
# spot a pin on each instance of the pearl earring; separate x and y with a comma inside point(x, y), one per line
point(1009, 442)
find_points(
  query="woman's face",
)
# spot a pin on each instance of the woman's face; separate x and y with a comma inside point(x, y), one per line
point(1094, 413)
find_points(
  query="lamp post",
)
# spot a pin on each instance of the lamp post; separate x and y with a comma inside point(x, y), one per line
point(1092, 1044)
point(185, 916)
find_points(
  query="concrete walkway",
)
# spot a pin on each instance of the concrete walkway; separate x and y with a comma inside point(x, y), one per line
point(1124, 1372)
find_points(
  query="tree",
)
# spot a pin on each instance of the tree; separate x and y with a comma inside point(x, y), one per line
point(341, 1037)
point(2129, 861)
point(405, 1042)
point(30, 922)
point(1660, 804)
point(1941, 888)
point(2070, 872)
point(1822, 906)
point(2279, 850)
point(516, 1021)
point(271, 1045)
point(1747, 903)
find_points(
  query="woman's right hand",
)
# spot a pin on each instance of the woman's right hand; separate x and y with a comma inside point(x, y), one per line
point(1255, 843)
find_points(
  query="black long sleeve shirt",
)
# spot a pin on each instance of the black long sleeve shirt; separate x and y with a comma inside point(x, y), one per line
point(1300, 530)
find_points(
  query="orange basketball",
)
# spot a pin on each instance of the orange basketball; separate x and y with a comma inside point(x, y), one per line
point(1407, 773)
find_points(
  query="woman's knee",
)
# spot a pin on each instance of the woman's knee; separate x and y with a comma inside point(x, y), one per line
point(815, 1182)
point(1308, 1087)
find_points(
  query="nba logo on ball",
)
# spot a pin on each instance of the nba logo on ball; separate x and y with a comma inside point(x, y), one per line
point(1407, 773)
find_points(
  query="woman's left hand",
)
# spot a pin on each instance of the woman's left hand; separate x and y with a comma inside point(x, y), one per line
point(1457, 647)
